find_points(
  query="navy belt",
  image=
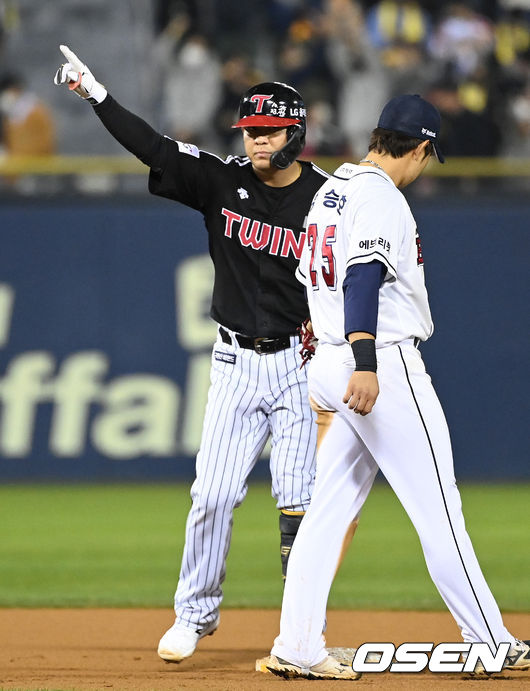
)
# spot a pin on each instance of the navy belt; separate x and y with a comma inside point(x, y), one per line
point(261, 345)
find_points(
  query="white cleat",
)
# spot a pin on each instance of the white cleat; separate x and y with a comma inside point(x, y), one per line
point(341, 654)
point(179, 642)
point(518, 656)
point(329, 668)
point(518, 659)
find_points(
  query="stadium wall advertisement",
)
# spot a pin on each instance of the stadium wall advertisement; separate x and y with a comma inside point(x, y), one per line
point(105, 337)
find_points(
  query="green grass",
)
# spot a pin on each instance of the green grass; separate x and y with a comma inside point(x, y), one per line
point(121, 545)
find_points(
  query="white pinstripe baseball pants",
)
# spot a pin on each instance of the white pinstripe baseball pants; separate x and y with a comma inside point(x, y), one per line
point(251, 396)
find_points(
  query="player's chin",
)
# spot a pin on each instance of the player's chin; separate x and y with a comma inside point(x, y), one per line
point(261, 161)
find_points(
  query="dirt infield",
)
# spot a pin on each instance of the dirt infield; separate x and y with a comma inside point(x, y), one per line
point(86, 649)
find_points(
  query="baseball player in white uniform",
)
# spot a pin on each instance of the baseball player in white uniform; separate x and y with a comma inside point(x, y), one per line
point(363, 270)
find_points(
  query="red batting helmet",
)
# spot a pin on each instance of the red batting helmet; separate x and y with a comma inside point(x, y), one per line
point(273, 104)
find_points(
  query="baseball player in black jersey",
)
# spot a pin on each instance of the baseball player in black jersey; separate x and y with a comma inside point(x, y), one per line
point(254, 209)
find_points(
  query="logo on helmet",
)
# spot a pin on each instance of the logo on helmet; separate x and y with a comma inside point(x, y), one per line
point(260, 99)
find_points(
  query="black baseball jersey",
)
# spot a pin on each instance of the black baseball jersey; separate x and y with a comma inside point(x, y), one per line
point(256, 232)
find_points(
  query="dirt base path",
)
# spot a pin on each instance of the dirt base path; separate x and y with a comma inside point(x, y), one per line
point(85, 649)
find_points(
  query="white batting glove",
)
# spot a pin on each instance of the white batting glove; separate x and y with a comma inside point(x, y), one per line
point(79, 78)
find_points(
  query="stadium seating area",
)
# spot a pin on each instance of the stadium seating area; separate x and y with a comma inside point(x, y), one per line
point(182, 65)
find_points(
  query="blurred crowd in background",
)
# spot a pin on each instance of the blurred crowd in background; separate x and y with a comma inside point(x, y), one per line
point(347, 58)
point(183, 65)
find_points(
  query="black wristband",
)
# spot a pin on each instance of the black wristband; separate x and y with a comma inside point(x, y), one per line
point(364, 353)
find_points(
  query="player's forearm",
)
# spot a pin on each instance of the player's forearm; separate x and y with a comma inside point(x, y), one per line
point(133, 133)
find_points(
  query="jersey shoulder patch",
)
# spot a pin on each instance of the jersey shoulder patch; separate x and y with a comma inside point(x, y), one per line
point(185, 148)
point(192, 150)
point(189, 149)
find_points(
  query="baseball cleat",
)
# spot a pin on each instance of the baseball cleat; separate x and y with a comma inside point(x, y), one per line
point(179, 642)
point(518, 656)
point(518, 659)
point(341, 654)
point(329, 668)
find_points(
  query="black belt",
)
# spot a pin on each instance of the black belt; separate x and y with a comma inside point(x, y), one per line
point(260, 345)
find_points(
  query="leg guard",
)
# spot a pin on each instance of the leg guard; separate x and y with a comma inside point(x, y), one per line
point(289, 524)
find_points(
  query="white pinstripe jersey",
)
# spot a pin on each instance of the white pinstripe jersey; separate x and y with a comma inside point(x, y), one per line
point(358, 216)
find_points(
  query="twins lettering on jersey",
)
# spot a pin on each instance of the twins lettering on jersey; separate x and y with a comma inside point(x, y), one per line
point(262, 236)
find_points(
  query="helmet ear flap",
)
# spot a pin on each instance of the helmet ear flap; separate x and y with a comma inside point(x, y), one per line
point(295, 143)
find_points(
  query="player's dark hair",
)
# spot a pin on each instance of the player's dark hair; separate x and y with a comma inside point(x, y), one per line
point(396, 144)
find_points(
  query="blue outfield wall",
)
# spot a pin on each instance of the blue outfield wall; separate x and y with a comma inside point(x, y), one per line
point(105, 337)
